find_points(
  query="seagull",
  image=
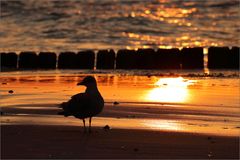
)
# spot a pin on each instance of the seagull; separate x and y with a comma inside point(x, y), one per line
point(84, 105)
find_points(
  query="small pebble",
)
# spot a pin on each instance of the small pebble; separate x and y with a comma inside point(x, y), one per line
point(10, 91)
point(106, 127)
point(123, 147)
point(209, 155)
point(209, 138)
point(136, 149)
point(115, 103)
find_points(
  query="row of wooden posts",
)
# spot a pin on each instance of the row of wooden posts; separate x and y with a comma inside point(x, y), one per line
point(187, 58)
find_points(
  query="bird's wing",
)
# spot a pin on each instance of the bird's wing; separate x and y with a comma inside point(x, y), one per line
point(74, 98)
point(77, 103)
point(79, 96)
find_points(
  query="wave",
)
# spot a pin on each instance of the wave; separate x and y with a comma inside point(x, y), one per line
point(173, 23)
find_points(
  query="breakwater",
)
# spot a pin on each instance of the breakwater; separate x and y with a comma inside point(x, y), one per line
point(186, 58)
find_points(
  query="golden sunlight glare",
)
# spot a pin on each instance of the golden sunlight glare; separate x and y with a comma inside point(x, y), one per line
point(170, 90)
point(163, 124)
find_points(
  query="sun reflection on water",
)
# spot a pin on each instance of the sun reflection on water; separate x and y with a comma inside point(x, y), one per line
point(170, 90)
point(163, 124)
point(171, 16)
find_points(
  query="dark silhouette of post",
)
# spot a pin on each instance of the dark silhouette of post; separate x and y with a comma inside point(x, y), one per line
point(168, 58)
point(28, 60)
point(67, 60)
point(234, 58)
point(47, 60)
point(8, 60)
point(126, 59)
point(146, 58)
point(192, 58)
point(85, 59)
point(105, 59)
point(218, 57)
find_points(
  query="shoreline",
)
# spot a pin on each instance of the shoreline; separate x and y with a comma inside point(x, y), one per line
point(186, 73)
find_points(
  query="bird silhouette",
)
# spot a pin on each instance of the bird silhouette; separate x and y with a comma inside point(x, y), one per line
point(84, 105)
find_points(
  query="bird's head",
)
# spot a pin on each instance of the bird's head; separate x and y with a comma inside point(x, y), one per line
point(88, 81)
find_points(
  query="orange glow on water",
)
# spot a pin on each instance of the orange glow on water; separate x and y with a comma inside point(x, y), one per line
point(170, 90)
point(176, 82)
point(187, 103)
point(163, 124)
point(172, 16)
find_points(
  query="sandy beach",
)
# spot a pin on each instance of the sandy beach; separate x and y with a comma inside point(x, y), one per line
point(66, 142)
point(202, 123)
point(161, 79)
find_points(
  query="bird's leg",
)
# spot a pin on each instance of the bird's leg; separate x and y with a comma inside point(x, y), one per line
point(90, 121)
point(84, 125)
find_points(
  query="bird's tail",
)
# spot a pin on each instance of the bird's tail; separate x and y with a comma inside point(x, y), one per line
point(64, 113)
point(62, 105)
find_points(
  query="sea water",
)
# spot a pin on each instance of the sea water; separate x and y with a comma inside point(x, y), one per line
point(73, 25)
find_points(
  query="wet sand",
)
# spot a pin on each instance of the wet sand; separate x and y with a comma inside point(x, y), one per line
point(67, 142)
point(155, 117)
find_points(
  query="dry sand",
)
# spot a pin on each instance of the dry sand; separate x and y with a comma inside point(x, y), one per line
point(67, 142)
